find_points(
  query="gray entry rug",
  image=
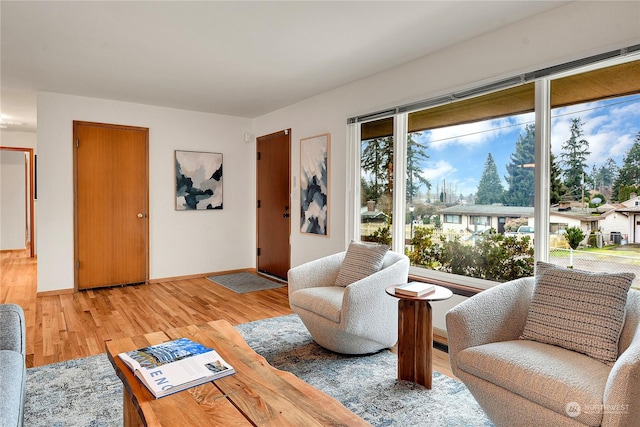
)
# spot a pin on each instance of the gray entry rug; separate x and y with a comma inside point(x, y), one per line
point(86, 392)
point(245, 282)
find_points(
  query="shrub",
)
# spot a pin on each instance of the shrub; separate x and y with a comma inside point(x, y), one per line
point(492, 257)
point(574, 236)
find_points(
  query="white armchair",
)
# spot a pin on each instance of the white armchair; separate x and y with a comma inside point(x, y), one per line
point(356, 319)
point(529, 383)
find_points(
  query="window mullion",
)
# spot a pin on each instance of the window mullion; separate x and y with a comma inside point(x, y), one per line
point(542, 168)
point(399, 181)
point(352, 205)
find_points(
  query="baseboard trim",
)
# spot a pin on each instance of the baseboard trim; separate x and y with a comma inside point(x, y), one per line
point(55, 292)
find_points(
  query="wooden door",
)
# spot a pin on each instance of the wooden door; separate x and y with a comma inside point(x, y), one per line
point(273, 204)
point(111, 204)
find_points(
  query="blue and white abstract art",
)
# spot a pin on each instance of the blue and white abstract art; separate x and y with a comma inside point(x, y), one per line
point(314, 185)
point(198, 180)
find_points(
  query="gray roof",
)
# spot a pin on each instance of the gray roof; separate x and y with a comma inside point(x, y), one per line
point(527, 211)
point(489, 210)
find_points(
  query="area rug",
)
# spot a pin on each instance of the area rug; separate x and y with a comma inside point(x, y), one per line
point(245, 282)
point(366, 385)
point(82, 392)
point(86, 392)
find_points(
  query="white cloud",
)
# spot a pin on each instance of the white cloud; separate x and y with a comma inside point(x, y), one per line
point(436, 171)
point(473, 134)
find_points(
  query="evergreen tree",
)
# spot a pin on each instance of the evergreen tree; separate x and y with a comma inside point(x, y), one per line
point(606, 175)
point(376, 162)
point(556, 188)
point(416, 153)
point(574, 157)
point(490, 189)
point(629, 173)
point(520, 172)
point(591, 180)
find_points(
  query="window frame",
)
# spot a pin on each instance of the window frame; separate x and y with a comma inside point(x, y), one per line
point(542, 169)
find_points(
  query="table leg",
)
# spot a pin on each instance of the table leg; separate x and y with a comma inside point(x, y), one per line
point(415, 342)
point(424, 344)
point(131, 417)
point(406, 340)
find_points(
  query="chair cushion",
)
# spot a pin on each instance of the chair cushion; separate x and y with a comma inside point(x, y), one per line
point(578, 310)
point(550, 376)
point(360, 261)
point(325, 301)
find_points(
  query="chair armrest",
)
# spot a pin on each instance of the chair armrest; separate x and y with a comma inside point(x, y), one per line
point(319, 272)
point(622, 391)
point(12, 328)
point(366, 299)
point(496, 314)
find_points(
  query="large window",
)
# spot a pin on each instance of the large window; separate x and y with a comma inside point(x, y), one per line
point(376, 181)
point(474, 159)
point(469, 200)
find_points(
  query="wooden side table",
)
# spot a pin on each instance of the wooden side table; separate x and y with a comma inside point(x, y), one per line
point(415, 334)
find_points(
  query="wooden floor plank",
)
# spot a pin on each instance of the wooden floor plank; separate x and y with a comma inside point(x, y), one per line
point(74, 325)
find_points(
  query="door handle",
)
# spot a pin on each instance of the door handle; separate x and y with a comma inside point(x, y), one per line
point(285, 215)
point(141, 215)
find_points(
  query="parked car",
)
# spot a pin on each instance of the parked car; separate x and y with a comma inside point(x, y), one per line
point(523, 230)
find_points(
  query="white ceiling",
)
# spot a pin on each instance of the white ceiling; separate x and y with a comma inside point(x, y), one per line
point(237, 58)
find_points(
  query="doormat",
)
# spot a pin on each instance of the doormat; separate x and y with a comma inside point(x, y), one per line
point(245, 282)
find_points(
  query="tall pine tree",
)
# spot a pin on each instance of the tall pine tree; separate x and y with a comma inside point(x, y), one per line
point(556, 188)
point(520, 172)
point(629, 173)
point(377, 164)
point(574, 158)
point(490, 189)
point(605, 177)
point(416, 153)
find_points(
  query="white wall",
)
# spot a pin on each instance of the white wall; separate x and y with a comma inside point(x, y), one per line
point(18, 139)
point(574, 31)
point(181, 242)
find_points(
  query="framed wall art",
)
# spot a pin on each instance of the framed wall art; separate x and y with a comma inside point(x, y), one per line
point(314, 184)
point(198, 180)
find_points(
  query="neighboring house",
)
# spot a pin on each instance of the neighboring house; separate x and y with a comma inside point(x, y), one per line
point(631, 213)
point(475, 218)
point(608, 219)
point(367, 215)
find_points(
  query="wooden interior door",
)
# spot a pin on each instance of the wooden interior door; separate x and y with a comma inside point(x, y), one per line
point(111, 204)
point(273, 203)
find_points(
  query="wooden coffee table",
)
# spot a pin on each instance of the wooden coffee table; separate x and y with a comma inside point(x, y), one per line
point(415, 334)
point(256, 395)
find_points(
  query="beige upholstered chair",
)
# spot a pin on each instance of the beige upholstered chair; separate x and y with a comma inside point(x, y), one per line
point(525, 382)
point(359, 318)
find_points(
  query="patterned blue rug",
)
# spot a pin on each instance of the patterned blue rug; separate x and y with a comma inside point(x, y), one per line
point(86, 392)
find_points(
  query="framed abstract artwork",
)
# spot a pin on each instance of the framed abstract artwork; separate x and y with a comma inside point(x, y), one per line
point(198, 180)
point(314, 184)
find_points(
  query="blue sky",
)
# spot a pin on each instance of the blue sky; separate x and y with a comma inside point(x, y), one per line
point(458, 153)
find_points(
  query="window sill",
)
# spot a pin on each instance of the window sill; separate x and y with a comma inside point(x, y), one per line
point(459, 285)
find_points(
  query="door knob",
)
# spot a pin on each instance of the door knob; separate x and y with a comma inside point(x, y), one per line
point(140, 215)
point(285, 215)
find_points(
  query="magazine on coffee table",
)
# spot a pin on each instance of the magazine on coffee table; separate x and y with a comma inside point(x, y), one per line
point(176, 365)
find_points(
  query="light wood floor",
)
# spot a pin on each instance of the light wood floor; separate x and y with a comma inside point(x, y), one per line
point(69, 326)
